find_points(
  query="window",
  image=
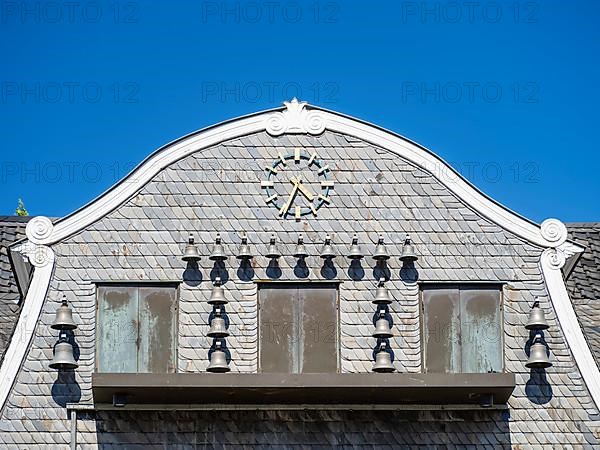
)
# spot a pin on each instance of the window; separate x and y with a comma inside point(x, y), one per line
point(462, 328)
point(136, 328)
point(298, 328)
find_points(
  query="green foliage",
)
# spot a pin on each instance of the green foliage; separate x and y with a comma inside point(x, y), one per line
point(21, 211)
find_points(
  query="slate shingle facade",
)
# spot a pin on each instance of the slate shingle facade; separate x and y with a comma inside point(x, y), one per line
point(12, 229)
point(218, 190)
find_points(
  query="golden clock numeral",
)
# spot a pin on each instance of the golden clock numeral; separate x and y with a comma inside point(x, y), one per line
point(271, 198)
point(313, 209)
point(324, 198)
point(297, 155)
point(312, 158)
point(265, 184)
point(298, 211)
point(323, 169)
point(281, 158)
point(326, 183)
point(271, 169)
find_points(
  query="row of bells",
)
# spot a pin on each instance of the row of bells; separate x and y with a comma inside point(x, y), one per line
point(538, 354)
point(63, 350)
point(191, 253)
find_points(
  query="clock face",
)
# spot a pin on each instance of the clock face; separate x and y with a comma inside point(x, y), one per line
point(297, 184)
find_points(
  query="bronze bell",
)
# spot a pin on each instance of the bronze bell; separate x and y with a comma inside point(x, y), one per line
point(381, 294)
point(355, 252)
point(244, 252)
point(218, 361)
point(381, 253)
point(383, 360)
point(63, 355)
point(537, 319)
point(218, 253)
point(64, 317)
point(382, 327)
point(327, 250)
point(217, 296)
point(408, 251)
point(217, 326)
point(273, 252)
point(300, 252)
point(191, 251)
point(538, 357)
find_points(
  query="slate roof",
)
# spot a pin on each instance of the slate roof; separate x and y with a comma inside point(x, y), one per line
point(12, 228)
point(584, 282)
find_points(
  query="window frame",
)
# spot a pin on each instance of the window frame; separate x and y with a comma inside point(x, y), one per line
point(138, 284)
point(335, 285)
point(458, 285)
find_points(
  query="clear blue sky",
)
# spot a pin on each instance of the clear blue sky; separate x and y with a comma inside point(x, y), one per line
point(506, 91)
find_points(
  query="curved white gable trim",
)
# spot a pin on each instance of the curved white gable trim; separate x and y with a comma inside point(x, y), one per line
point(295, 119)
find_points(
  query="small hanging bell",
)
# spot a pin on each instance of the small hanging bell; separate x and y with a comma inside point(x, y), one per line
point(191, 251)
point(218, 360)
point(381, 253)
point(382, 295)
point(382, 327)
point(217, 326)
point(538, 357)
point(355, 252)
point(537, 319)
point(408, 251)
point(63, 355)
point(300, 252)
point(64, 317)
point(244, 252)
point(218, 253)
point(217, 296)
point(273, 252)
point(327, 250)
point(383, 360)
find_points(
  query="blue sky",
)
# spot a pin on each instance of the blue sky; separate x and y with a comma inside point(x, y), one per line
point(506, 91)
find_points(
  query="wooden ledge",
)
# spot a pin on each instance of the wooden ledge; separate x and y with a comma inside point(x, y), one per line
point(302, 389)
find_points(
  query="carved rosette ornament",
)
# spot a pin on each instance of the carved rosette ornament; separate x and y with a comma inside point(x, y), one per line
point(38, 230)
point(555, 232)
point(295, 119)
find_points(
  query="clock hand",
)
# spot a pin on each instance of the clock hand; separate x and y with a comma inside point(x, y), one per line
point(285, 208)
point(298, 184)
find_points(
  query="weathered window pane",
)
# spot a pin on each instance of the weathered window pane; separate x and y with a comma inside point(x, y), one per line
point(441, 318)
point(117, 329)
point(136, 329)
point(462, 329)
point(481, 336)
point(157, 329)
point(298, 328)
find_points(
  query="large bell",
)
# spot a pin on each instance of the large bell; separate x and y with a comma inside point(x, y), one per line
point(537, 319)
point(217, 326)
point(64, 317)
point(382, 327)
point(383, 361)
point(300, 252)
point(191, 251)
point(244, 252)
point(218, 253)
point(355, 252)
point(408, 251)
point(538, 357)
point(218, 361)
point(63, 356)
point(273, 252)
point(381, 253)
point(327, 250)
point(217, 296)
point(381, 294)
